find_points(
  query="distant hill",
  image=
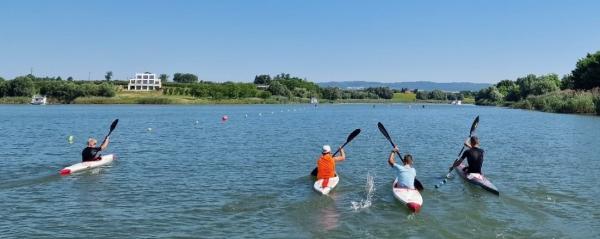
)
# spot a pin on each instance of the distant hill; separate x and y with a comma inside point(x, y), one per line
point(421, 85)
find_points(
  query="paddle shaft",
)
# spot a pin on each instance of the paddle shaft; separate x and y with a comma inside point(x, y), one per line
point(351, 136)
point(112, 127)
point(385, 133)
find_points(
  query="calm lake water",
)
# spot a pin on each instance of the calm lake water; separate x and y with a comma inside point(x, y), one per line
point(193, 176)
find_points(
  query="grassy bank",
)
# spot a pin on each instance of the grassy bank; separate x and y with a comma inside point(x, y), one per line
point(566, 101)
point(15, 100)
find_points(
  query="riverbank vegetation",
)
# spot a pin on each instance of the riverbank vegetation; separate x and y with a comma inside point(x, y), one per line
point(577, 92)
point(186, 88)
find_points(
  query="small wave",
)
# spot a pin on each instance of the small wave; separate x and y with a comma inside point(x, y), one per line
point(369, 192)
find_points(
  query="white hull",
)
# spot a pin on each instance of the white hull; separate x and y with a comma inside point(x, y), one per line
point(318, 186)
point(78, 167)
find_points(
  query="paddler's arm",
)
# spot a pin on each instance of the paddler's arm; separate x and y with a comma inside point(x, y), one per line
point(392, 157)
point(459, 161)
point(105, 143)
point(342, 156)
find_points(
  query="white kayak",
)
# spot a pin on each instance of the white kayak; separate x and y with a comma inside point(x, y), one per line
point(78, 167)
point(411, 197)
point(324, 186)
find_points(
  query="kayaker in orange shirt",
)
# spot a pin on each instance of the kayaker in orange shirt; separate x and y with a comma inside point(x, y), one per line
point(326, 163)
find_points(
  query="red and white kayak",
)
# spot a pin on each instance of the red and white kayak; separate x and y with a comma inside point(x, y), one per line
point(477, 179)
point(324, 186)
point(411, 197)
point(78, 167)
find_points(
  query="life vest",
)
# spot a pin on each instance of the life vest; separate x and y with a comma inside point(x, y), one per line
point(326, 167)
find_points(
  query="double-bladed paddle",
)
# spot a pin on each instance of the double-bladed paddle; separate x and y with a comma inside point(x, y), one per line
point(112, 127)
point(385, 133)
point(350, 138)
point(473, 127)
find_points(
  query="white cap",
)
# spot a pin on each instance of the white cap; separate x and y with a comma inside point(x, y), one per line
point(326, 149)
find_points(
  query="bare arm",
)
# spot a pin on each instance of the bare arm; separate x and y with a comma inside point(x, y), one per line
point(104, 144)
point(460, 160)
point(342, 157)
point(392, 159)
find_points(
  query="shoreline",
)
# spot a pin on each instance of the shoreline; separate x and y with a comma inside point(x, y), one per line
point(204, 101)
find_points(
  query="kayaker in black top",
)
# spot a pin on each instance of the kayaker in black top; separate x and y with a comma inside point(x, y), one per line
point(474, 156)
point(90, 153)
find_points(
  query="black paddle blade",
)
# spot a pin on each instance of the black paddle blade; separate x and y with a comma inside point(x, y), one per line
point(474, 125)
point(353, 135)
point(350, 138)
point(114, 125)
point(314, 172)
point(418, 185)
point(384, 132)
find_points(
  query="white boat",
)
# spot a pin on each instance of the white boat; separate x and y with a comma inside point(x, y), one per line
point(38, 100)
point(410, 197)
point(324, 186)
point(105, 159)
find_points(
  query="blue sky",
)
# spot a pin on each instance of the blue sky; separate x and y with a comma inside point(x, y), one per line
point(387, 41)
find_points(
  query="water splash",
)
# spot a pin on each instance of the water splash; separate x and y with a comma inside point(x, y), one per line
point(369, 192)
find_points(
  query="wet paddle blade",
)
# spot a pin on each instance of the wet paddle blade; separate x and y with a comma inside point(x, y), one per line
point(474, 125)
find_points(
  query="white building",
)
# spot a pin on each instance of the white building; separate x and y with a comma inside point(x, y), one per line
point(144, 82)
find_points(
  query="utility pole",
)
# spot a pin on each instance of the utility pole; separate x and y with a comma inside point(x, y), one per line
point(89, 75)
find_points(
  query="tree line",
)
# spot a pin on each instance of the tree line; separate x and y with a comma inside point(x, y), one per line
point(54, 87)
point(577, 92)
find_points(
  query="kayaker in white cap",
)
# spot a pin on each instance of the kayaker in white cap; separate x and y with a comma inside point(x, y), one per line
point(326, 163)
point(90, 153)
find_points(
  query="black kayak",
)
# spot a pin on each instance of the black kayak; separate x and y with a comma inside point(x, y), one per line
point(477, 179)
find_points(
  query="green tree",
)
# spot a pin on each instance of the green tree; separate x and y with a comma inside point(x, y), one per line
point(437, 95)
point(21, 86)
point(262, 80)
point(526, 84)
point(489, 96)
point(331, 93)
point(422, 95)
point(108, 75)
point(513, 93)
point(567, 82)
point(69, 78)
point(163, 77)
point(276, 88)
point(264, 94)
point(106, 90)
point(586, 74)
point(185, 78)
point(543, 86)
point(3, 87)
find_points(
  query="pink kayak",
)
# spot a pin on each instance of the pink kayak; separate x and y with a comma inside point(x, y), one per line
point(477, 179)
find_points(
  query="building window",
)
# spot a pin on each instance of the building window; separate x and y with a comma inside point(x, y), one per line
point(138, 87)
point(139, 81)
point(151, 82)
point(151, 76)
point(145, 76)
point(145, 82)
point(144, 87)
point(138, 76)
